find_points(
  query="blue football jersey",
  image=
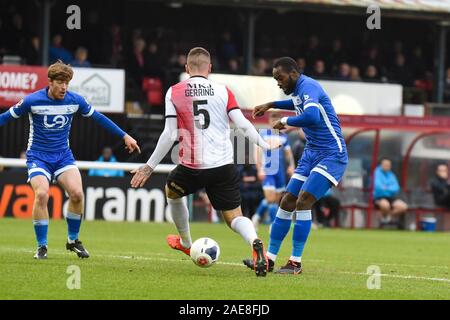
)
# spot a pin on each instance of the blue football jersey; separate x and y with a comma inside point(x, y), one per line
point(274, 160)
point(327, 135)
point(50, 119)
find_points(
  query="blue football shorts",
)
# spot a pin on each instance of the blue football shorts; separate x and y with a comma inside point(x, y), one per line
point(317, 172)
point(49, 164)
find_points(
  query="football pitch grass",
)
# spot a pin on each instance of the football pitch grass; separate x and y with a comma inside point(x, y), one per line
point(133, 261)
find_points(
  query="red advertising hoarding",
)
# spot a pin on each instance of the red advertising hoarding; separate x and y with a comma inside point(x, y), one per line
point(18, 81)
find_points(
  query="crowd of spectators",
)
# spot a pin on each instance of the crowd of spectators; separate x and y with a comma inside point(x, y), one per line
point(160, 53)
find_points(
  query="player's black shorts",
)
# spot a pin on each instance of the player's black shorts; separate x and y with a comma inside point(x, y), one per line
point(221, 184)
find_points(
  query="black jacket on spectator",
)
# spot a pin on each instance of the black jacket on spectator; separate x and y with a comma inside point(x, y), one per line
point(441, 192)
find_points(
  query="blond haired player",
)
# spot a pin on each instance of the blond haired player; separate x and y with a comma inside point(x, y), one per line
point(197, 114)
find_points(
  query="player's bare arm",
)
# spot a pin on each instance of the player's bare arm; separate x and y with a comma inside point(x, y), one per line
point(141, 175)
point(259, 111)
point(131, 144)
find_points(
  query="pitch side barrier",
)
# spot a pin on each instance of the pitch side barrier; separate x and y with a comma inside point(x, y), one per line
point(106, 198)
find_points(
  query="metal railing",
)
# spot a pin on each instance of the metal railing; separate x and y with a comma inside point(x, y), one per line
point(86, 165)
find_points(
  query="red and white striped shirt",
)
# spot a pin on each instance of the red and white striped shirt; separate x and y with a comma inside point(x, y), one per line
point(201, 108)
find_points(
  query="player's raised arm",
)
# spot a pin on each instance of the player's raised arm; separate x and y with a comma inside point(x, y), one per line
point(282, 105)
point(311, 114)
point(241, 122)
point(308, 118)
point(259, 111)
point(249, 130)
point(165, 142)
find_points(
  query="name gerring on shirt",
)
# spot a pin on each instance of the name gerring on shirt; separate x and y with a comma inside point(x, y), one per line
point(198, 90)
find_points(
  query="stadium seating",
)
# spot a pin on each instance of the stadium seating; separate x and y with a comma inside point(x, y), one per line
point(153, 90)
point(421, 202)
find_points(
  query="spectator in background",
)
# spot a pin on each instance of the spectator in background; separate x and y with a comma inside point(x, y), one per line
point(136, 62)
point(354, 74)
point(177, 66)
point(447, 86)
point(227, 48)
point(107, 156)
point(233, 66)
point(92, 32)
point(16, 37)
point(344, 72)
point(337, 56)
point(153, 62)
point(326, 210)
point(396, 48)
point(113, 48)
point(312, 52)
point(319, 69)
point(33, 52)
point(417, 63)
point(260, 67)
point(81, 56)
point(372, 58)
point(136, 34)
point(57, 51)
point(386, 194)
point(301, 62)
point(371, 74)
point(440, 186)
point(400, 72)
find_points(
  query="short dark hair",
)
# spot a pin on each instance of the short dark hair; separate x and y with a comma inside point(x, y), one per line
point(287, 64)
point(385, 158)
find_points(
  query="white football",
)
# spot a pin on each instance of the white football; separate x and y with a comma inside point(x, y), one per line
point(205, 252)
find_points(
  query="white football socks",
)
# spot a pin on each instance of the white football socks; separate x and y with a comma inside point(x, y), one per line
point(180, 216)
point(244, 226)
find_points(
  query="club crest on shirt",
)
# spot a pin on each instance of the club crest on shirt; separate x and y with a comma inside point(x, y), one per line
point(296, 100)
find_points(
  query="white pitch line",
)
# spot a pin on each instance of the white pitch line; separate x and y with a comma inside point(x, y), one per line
point(397, 276)
point(233, 264)
point(410, 265)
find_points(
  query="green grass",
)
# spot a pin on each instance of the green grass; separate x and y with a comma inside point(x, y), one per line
point(132, 261)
